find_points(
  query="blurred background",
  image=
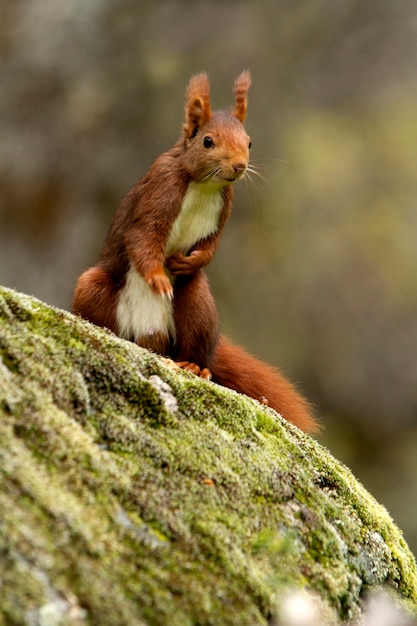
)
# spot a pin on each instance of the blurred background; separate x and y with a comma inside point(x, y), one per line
point(317, 270)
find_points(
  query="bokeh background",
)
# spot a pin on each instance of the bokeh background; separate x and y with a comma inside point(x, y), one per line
point(317, 270)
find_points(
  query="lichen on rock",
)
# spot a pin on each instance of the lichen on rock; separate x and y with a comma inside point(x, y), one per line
point(132, 493)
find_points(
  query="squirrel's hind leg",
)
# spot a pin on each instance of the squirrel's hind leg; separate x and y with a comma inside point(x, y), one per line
point(95, 298)
point(196, 322)
point(156, 341)
point(194, 369)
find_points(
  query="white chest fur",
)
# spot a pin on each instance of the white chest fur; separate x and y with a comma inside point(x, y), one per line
point(139, 311)
point(198, 217)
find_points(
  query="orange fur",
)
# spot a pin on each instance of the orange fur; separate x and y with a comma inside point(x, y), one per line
point(197, 109)
point(240, 89)
point(149, 284)
point(95, 298)
point(235, 368)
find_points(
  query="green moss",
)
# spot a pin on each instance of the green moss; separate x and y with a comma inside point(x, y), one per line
point(135, 493)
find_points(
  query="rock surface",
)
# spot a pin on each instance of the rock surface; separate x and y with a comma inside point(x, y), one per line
point(135, 494)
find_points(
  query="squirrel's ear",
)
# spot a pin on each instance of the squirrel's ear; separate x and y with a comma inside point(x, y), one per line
point(240, 89)
point(197, 108)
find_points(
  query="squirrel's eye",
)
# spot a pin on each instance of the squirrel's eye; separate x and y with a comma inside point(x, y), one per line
point(208, 142)
point(250, 145)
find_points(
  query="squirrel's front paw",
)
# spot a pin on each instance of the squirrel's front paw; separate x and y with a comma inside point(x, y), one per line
point(178, 264)
point(160, 284)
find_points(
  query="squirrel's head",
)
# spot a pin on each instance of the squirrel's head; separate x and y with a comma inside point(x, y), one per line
point(216, 144)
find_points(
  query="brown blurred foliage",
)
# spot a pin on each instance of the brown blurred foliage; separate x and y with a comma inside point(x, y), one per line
point(317, 271)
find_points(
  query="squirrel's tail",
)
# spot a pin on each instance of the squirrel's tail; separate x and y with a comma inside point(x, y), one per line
point(233, 367)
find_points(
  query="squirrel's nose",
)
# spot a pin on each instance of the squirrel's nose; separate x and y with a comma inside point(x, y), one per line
point(239, 167)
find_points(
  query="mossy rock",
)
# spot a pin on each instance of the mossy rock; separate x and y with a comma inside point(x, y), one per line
point(135, 494)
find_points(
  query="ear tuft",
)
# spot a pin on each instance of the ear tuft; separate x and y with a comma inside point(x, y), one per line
point(197, 108)
point(240, 89)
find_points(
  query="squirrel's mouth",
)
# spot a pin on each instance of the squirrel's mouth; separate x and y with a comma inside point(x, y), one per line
point(237, 174)
point(235, 177)
point(226, 177)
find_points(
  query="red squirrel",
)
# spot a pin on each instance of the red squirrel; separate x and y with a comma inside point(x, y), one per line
point(149, 286)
